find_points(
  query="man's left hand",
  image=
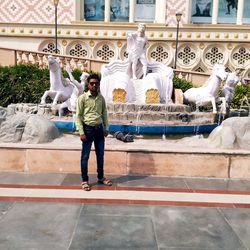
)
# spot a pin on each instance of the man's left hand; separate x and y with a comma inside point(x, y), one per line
point(106, 132)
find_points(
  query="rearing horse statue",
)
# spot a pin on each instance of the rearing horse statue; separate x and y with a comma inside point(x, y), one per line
point(208, 93)
point(60, 88)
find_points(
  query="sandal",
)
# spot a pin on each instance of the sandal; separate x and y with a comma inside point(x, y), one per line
point(86, 186)
point(105, 181)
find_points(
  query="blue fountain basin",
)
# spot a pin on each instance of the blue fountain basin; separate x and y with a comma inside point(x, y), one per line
point(70, 126)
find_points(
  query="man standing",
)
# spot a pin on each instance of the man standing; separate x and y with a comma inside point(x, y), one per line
point(92, 123)
point(137, 50)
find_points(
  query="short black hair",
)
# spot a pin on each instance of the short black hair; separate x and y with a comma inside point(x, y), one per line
point(93, 76)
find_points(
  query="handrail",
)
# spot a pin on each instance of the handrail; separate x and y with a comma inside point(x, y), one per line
point(41, 59)
point(85, 64)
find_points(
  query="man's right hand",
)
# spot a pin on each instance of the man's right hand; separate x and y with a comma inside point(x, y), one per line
point(83, 137)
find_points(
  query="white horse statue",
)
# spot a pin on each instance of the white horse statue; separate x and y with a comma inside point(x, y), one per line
point(60, 88)
point(232, 80)
point(208, 93)
point(78, 89)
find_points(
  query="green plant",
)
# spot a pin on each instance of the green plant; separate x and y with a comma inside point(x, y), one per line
point(182, 84)
point(26, 83)
point(242, 94)
point(22, 84)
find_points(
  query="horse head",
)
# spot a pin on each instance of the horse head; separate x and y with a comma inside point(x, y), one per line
point(219, 71)
point(53, 63)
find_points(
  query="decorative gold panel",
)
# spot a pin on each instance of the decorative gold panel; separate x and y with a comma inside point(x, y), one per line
point(152, 96)
point(119, 95)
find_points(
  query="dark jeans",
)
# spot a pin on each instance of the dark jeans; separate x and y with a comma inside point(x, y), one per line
point(93, 134)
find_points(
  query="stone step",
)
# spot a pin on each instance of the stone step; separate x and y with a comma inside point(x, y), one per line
point(149, 157)
point(131, 107)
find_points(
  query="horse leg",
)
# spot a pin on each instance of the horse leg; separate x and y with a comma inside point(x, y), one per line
point(223, 105)
point(43, 99)
point(56, 98)
point(60, 110)
point(214, 105)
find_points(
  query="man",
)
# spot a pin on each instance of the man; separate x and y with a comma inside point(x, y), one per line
point(92, 123)
point(137, 50)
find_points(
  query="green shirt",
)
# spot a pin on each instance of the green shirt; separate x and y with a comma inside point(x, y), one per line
point(91, 111)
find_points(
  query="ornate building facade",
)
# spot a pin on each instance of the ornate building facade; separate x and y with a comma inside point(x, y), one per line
point(209, 31)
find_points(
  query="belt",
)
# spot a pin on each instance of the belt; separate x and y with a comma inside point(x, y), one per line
point(94, 126)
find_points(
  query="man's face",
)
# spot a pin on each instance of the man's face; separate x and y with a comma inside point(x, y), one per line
point(93, 85)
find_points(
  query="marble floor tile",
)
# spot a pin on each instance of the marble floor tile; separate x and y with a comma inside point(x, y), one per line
point(189, 227)
point(31, 178)
point(114, 232)
point(39, 226)
point(239, 220)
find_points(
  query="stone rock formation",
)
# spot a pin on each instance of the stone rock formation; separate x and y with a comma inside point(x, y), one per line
point(233, 132)
point(28, 128)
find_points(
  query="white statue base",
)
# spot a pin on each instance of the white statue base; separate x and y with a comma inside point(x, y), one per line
point(118, 86)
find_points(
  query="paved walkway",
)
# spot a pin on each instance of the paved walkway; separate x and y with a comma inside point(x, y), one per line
point(50, 211)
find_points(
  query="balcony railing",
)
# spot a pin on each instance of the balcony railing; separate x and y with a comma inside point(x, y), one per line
point(16, 56)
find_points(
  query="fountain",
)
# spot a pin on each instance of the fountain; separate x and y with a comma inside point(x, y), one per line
point(139, 102)
point(138, 95)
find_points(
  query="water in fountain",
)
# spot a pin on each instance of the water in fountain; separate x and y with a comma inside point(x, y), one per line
point(138, 118)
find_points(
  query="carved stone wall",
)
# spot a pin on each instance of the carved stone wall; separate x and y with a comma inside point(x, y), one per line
point(191, 56)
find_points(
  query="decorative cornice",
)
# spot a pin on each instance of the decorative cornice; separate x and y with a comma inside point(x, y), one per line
point(89, 30)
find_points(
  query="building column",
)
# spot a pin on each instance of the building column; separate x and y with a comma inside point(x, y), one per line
point(215, 11)
point(240, 11)
point(107, 11)
point(160, 11)
point(188, 16)
point(79, 10)
point(131, 11)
